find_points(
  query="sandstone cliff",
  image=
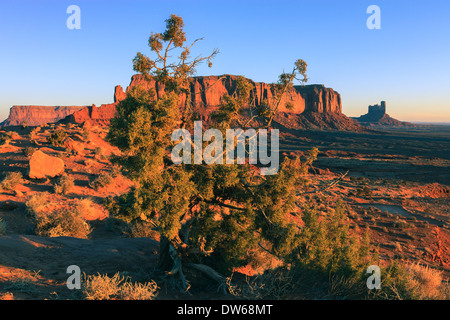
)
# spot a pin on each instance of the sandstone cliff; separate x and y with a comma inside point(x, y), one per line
point(311, 106)
point(38, 115)
point(207, 92)
point(93, 114)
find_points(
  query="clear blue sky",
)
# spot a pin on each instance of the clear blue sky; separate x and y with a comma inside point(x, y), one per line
point(406, 62)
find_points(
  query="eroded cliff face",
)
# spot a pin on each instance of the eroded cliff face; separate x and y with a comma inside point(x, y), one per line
point(38, 115)
point(93, 114)
point(206, 94)
point(320, 99)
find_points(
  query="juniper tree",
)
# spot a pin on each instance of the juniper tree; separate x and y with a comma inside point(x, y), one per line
point(206, 214)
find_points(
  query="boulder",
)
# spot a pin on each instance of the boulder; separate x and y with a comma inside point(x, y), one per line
point(45, 166)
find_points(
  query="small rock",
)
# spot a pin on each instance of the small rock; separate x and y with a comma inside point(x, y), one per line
point(18, 193)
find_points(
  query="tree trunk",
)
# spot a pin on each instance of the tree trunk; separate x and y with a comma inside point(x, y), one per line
point(165, 261)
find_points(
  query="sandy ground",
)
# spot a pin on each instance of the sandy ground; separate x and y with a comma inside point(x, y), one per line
point(407, 219)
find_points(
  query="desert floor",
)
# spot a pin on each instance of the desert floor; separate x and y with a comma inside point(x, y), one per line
point(398, 185)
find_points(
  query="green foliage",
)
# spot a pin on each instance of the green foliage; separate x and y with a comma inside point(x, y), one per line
point(232, 106)
point(57, 138)
point(326, 243)
point(285, 81)
point(216, 214)
point(173, 74)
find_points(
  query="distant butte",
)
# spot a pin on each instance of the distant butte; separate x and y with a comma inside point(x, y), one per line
point(377, 116)
point(312, 106)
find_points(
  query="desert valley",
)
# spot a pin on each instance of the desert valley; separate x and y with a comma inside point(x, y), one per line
point(268, 157)
point(392, 178)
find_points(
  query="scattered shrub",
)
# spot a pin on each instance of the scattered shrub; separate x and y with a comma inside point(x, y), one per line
point(4, 139)
point(103, 287)
point(401, 224)
point(115, 171)
point(412, 282)
point(275, 284)
point(142, 229)
point(37, 203)
point(101, 181)
point(138, 291)
point(61, 222)
point(33, 132)
point(11, 180)
point(57, 138)
point(424, 281)
point(327, 245)
point(57, 222)
point(364, 192)
point(86, 134)
point(100, 153)
point(64, 184)
point(87, 208)
point(28, 151)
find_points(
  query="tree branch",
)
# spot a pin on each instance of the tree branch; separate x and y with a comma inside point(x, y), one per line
point(334, 182)
point(213, 274)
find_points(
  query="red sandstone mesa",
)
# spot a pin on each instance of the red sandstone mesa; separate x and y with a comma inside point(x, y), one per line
point(313, 106)
point(207, 92)
point(38, 115)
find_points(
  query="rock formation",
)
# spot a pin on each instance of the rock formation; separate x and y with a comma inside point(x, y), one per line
point(38, 115)
point(92, 114)
point(310, 106)
point(207, 92)
point(377, 116)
